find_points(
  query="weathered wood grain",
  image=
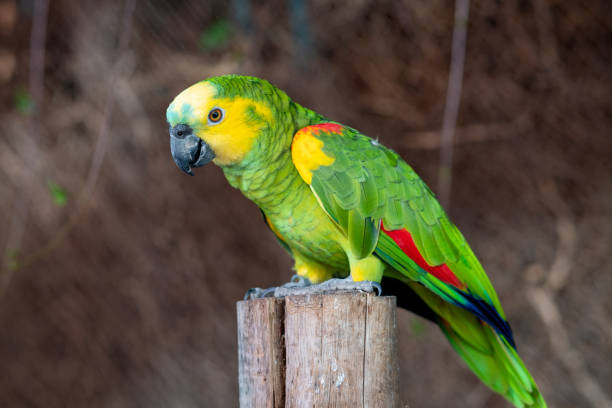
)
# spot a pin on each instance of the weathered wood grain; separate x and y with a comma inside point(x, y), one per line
point(261, 362)
point(381, 368)
point(340, 351)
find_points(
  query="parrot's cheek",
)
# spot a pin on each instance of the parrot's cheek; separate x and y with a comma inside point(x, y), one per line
point(190, 151)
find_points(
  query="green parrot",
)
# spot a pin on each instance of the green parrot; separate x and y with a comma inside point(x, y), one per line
point(345, 206)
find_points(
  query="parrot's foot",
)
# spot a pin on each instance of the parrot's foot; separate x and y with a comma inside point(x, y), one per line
point(296, 282)
point(330, 286)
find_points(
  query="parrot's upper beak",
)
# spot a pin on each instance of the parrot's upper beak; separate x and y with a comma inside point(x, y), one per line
point(187, 149)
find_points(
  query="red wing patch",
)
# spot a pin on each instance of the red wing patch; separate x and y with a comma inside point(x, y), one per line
point(404, 240)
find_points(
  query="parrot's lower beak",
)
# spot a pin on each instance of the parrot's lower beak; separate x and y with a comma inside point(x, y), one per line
point(188, 150)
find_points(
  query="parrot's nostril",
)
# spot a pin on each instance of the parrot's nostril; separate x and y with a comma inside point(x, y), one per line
point(181, 131)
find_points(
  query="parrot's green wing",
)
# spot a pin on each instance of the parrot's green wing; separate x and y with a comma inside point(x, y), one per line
point(384, 208)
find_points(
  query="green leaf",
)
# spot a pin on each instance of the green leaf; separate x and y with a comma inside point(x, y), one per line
point(23, 101)
point(216, 36)
point(59, 195)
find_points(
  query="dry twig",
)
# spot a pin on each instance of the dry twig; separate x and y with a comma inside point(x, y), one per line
point(542, 298)
point(453, 98)
point(474, 133)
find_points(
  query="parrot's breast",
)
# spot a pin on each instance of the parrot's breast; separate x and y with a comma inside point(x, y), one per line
point(291, 208)
point(305, 228)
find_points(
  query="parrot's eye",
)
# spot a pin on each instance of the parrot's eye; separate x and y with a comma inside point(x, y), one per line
point(215, 116)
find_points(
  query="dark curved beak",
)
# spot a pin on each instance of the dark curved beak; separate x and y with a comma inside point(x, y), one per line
point(188, 150)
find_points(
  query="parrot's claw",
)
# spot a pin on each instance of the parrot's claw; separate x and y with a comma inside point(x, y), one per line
point(258, 293)
point(330, 286)
point(296, 282)
point(302, 286)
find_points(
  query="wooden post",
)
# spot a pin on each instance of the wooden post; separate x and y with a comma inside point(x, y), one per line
point(318, 350)
point(261, 353)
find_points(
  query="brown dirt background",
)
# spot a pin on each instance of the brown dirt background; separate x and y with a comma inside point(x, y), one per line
point(134, 306)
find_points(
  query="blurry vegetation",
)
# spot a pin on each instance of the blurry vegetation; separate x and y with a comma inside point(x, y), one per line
point(23, 102)
point(12, 255)
point(417, 327)
point(133, 303)
point(59, 195)
point(216, 36)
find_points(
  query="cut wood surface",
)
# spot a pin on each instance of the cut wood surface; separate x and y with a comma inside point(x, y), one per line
point(333, 350)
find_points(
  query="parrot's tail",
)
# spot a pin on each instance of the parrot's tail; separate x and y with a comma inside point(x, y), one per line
point(489, 354)
point(502, 370)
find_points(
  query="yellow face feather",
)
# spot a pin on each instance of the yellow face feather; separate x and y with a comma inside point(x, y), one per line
point(232, 137)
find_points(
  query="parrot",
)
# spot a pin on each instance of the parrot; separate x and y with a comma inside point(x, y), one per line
point(351, 213)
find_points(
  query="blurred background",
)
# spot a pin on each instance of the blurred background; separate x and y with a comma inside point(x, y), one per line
point(120, 273)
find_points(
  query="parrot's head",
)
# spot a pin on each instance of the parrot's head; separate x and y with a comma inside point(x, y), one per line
point(221, 119)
